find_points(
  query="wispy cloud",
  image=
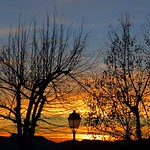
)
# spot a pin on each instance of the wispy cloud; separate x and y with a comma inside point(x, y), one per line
point(6, 31)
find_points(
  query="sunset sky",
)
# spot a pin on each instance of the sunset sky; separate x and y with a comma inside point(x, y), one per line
point(96, 15)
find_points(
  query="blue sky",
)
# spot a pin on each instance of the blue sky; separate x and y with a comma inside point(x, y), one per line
point(97, 14)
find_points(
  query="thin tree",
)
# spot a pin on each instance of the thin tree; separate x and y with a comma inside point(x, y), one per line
point(36, 66)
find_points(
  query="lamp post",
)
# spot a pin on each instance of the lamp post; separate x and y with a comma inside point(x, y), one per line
point(74, 120)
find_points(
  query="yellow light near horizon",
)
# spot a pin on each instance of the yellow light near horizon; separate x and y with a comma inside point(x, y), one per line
point(79, 137)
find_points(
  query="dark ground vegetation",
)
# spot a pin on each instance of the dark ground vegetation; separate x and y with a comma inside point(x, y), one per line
point(40, 143)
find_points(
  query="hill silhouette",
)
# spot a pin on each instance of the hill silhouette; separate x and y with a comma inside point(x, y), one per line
point(41, 143)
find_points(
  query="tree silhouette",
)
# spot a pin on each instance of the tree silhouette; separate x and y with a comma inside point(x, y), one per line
point(120, 99)
point(37, 64)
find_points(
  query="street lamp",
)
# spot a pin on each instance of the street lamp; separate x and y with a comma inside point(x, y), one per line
point(74, 122)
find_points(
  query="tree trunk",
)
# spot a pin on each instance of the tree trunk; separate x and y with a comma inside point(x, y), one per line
point(26, 142)
point(138, 127)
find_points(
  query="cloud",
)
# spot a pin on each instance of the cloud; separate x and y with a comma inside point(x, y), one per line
point(4, 31)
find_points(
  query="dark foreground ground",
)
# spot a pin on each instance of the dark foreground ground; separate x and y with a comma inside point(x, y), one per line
point(40, 143)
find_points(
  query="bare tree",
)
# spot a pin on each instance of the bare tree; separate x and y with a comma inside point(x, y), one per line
point(37, 66)
point(121, 96)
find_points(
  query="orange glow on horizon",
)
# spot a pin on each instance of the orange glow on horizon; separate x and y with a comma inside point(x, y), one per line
point(5, 134)
point(79, 137)
point(57, 138)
